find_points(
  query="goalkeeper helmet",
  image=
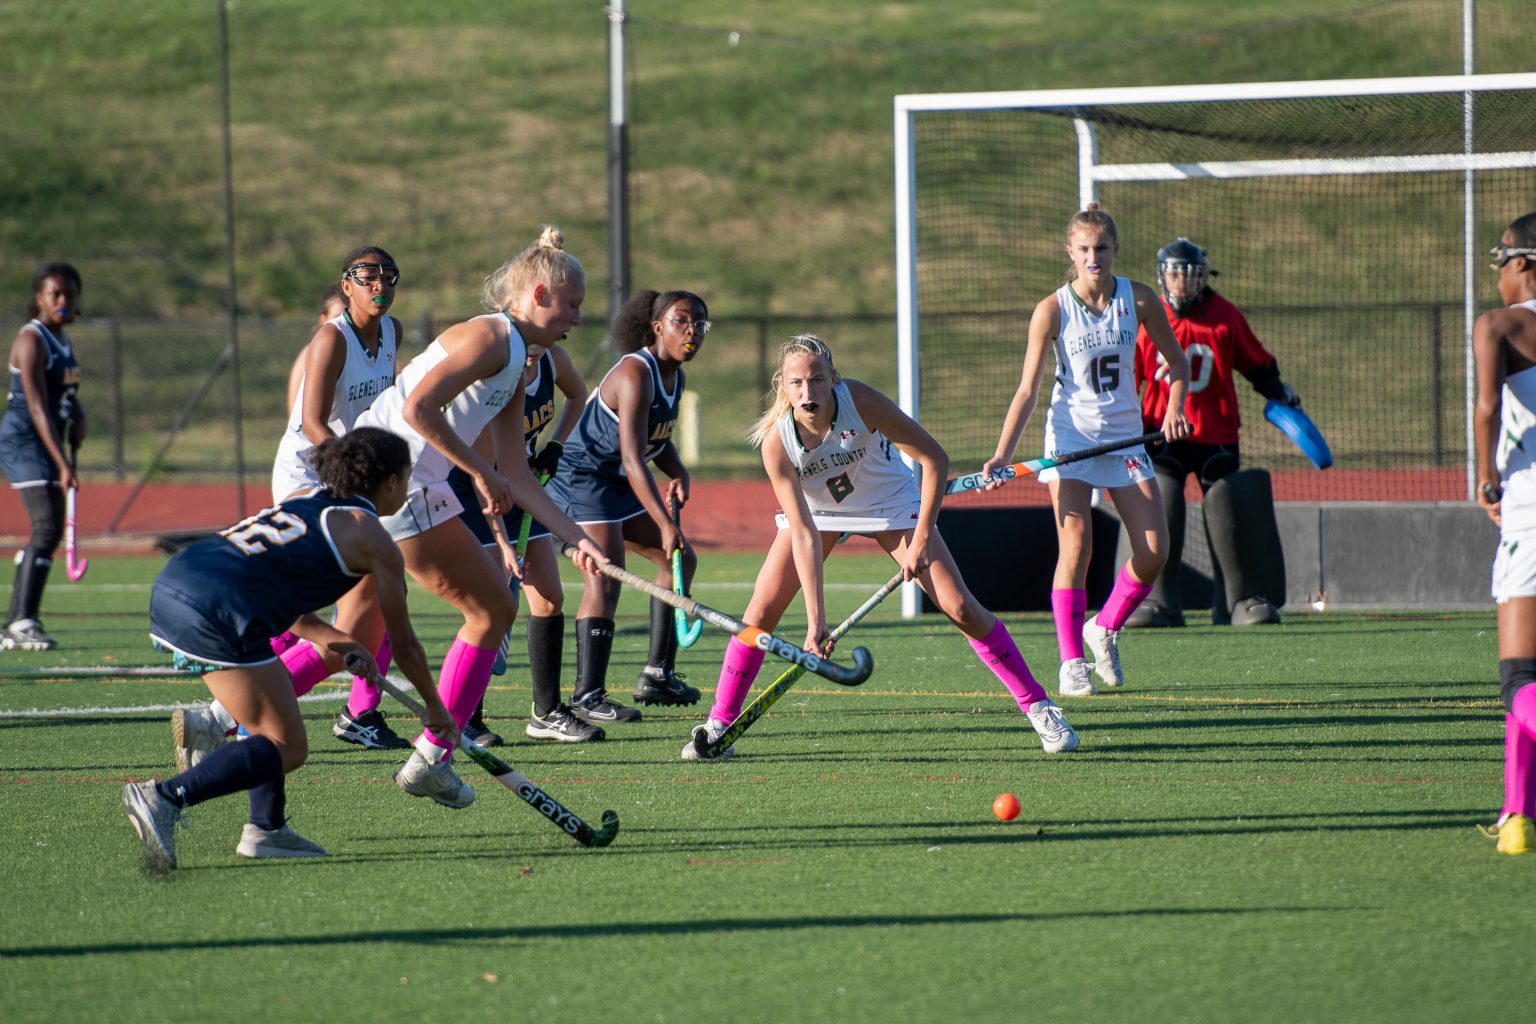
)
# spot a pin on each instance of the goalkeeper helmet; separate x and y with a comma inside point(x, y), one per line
point(1182, 269)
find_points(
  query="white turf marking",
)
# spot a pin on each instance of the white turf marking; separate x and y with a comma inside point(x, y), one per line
point(140, 709)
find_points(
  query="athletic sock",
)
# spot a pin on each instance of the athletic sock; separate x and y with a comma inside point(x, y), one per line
point(736, 675)
point(221, 715)
point(594, 646)
point(1000, 654)
point(283, 642)
point(546, 641)
point(269, 803)
point(1068, 607)
point(461, 685)
point(1128, 593)
point(27, 592)
point(1520, 769)
point(365, 696)
point(227, 769)
point(306, 666)
point(663, 652)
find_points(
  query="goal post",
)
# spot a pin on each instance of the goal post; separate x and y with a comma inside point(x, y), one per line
point(1347, 218)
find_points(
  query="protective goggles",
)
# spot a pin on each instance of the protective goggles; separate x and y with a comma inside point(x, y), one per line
point(367, 273)
point(1502, 254)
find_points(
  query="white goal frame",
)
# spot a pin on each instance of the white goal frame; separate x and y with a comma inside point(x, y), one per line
point(1091, 173)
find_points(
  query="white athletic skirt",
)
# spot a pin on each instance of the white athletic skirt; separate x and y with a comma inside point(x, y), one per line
point(1120, 470)
point(427, 506)
point(1514, 566)
point(877, 520)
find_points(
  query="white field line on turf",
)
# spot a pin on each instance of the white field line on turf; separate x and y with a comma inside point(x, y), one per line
point(701, 584)
point(141, 709)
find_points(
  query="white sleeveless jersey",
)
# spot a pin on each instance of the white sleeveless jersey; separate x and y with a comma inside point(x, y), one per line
point(1094, 397)
point(363, 378)
point(468, 413)
point(1516, 455)
point(855, 472)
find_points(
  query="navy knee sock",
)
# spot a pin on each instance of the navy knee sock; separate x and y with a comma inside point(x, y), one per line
point(227, 769)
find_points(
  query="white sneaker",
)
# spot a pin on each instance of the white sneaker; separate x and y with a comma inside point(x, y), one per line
point(438, 781)
point(196, 733)
point(1056, 733)
point(256, 841)
point(1105, 645)
point(154, 818)
point(1075, 680)
point(712, 730)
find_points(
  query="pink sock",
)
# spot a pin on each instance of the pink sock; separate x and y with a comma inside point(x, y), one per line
point(306, 667)
point(280, 644)
point(461, 683)
point(736, 676)
point(1520, 753)
point(1000, 654)
point(1123, 600)
point(1068, 605)
point(365, 696)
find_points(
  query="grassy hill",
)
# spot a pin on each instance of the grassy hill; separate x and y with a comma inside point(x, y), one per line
point(448, 132)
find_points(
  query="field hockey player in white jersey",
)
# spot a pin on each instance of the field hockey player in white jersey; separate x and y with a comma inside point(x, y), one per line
point(1504, 425)
point(830, 447)
point(1091, 323)
point(348, 363)
point(343, 368)
point(469, 381)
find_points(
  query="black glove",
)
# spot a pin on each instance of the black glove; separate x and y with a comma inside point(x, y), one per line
point(1266, 381)
point(547, 460)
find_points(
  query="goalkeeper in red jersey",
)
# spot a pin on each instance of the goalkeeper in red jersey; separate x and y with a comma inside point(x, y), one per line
point(1248, 567)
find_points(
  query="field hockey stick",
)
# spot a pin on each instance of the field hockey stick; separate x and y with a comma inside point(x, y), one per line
point(1002, 474)
point(526, 789)
point(863, 661)
point(74, 567)
point(687, 633)
point(527, 524)
point(781, 685)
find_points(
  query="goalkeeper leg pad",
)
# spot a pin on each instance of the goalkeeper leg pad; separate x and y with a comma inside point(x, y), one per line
point(1245, 539)
point(1164, 605)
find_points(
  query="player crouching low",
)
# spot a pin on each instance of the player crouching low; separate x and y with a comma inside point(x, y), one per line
point(217, 603)
point(830, 448)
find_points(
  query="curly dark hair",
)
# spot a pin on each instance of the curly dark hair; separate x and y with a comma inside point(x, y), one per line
point(358, 462)
point(632, 326)
point(65, 270)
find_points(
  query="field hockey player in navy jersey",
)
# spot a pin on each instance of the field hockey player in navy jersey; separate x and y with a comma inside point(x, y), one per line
point(216, 605)
point(605, 483)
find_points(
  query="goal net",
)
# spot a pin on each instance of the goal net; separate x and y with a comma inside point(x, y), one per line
point(1349, 220)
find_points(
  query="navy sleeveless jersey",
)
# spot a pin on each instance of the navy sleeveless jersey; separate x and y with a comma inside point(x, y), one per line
point(253, 580)
point(61, 375)
point(594, 444)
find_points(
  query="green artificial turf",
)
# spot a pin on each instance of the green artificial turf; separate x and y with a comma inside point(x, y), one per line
point(1268, 824)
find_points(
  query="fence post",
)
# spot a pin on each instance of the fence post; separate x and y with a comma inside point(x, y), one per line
point(115, 362)
point(1436, 421)
point(425, 330)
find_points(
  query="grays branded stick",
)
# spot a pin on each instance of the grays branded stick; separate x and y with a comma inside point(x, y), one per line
point(526, 789)
point(687, 634)
point(863, 661)
point(976, 481)
point(781, 685)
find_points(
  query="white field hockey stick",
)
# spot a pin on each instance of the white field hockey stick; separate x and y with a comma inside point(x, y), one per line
point(976, 481)
point(863, 661)
point(526, 789)
point(74, 567)
point(781, 685)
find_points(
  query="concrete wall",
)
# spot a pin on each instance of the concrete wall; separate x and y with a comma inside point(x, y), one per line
point(1362, 555)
